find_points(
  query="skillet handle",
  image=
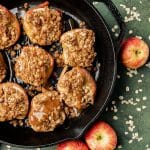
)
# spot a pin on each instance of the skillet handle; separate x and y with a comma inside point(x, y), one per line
point(118, 18)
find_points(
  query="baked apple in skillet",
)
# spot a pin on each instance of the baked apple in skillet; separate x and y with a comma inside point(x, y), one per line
point(46, 112)
point(9, 28)
point(78, 47)
point(13, 102)
point(42, 24)
point(77, 89)
point(34, 65)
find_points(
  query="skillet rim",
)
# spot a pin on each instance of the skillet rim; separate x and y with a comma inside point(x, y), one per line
point(83, 130)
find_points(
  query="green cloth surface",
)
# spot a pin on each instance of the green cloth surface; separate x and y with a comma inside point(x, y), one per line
point(129, 111)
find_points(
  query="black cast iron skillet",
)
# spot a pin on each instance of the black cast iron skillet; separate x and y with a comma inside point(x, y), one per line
point(105, 75)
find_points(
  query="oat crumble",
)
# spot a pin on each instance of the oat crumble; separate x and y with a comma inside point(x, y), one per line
point(78, 47)
point(34, 65)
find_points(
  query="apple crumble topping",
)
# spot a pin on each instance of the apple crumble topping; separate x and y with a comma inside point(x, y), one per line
point(46, 112)
point(78, 49)
point(13, 102)
point(43, 25)
point(77, 89)
point(34, 65)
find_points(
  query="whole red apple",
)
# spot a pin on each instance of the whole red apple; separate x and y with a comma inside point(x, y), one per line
point(134, 53)
point(101, 137)
point(72, 145)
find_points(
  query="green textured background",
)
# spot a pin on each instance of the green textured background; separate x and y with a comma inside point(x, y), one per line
point(118, 112)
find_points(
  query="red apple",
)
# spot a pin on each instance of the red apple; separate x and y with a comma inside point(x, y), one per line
point(72, 145)
point(101, 137)
point(134, 53)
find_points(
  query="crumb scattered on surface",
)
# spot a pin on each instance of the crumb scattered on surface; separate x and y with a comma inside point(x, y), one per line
point(131, 14)
point(58, 59)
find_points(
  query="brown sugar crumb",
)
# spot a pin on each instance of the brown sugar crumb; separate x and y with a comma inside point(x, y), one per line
point(17, 47)
point(34, 65)
point(31, 93)
point(13, 53)
point(2, 68)
point(21, 123)
point(72, 112)
point(82, 24)
point(58, 59)
point(13, 102)
point(13, 50)
point(27, 122)
point(46, 112)
point(77, 89)
point(43, 25)
point(78, 47)
point(26, 6)
point(16, 123)
point(37, 88)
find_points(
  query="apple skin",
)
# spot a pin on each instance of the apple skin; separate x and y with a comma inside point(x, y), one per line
point(101, 137)
point(72, 145)
point(134, 53)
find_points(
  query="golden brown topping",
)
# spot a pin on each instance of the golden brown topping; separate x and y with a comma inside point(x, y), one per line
point(46, 112)
point(9, 28)
point(77, 89)
point(2, 68)
point(43, 25)
point(34, 65)
point(13, 102)
point(78, 49)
